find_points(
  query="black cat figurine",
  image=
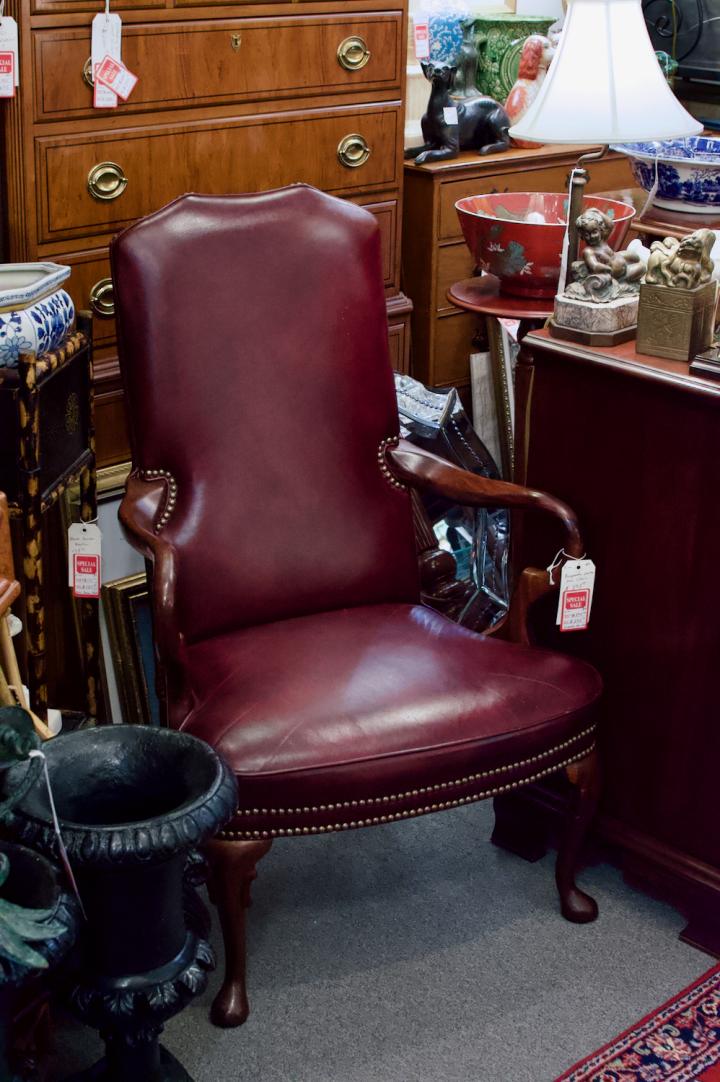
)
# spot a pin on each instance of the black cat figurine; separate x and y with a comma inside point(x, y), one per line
point(481, 124)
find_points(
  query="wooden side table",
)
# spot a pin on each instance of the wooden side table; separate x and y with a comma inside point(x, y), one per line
point(481, 296)
point(47, 443)
point(632, 443)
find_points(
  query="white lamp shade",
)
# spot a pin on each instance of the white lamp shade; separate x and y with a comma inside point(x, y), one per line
point(604, 84)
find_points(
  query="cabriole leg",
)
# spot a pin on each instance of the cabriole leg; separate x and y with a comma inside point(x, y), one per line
point(584, 776)
point(232, 870)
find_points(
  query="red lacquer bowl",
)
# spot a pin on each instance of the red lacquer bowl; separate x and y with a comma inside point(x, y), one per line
point(525, 255)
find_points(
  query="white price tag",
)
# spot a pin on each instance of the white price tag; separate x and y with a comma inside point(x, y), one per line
point(450, 114)
point(114, 74)
point(84, 554)
point(422, 40)
point(577, 582)
point(9, 57)
point(106, 41)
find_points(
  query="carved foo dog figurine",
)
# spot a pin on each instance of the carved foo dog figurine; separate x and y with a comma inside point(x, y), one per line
point(602, 274)
point(682, 264)
point(537, 52)
point(482, 125)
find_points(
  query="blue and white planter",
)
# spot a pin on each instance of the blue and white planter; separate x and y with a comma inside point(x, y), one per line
point(35, 313)
point(688, 172)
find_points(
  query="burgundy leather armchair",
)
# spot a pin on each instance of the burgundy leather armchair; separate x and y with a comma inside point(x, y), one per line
point(272, 498)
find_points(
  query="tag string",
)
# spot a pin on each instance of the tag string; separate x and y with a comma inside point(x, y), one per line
point(65, 860)
point(556, 560)
point(2, 9)
point(651, 194)
point(107, 9)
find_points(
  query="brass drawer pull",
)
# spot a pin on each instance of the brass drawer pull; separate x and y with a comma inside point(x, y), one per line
point(87, 73)
point(102, 301)
point(106, 181)
point(353, 151)
point(353, 54)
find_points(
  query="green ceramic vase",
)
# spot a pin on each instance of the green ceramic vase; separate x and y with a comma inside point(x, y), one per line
point(499, 40)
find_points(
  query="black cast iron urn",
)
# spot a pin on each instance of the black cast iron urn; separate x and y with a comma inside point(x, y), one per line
point(134, 803)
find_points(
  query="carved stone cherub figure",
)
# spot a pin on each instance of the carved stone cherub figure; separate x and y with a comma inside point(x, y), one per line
point(602, 274)
point(682, 264)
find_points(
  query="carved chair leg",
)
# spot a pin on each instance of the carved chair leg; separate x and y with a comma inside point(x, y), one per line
point(232, 870)
point(584, 775)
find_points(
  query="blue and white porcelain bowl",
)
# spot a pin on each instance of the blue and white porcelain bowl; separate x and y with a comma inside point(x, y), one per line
point(35, 314)
point(688, 172)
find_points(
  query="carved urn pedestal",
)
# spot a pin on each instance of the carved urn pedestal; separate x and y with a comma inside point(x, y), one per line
point(134, 802)
point(46, 921)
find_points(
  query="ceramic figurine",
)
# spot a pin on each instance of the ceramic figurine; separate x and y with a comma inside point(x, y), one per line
point(537, 52)
point(603, 275)
point(448, 126)
point(682, 264)
point(467, 64)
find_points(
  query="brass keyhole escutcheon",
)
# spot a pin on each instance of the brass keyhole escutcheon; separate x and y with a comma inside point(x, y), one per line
point(102, 301)
point(236, 41)
point(87, 73)
point(353, 53)
point(353, 151)
point(106, 181)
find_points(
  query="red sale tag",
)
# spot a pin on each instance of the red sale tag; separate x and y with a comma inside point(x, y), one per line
point(7, 75)
point(577, 583)
point(422, 41)
point(575, 612)
point(116, 77)
point(86, 575)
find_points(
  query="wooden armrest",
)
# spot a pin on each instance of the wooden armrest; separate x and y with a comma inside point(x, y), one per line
point(6, 558)
point(9, 591)
point(423, 470)
point(139, 514)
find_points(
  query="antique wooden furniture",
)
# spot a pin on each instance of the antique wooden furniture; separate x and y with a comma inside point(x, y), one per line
point(481, 295)
point(272, 502)
point(634, 443)
point(434, 254)
point(47, 443)
point(232, 97)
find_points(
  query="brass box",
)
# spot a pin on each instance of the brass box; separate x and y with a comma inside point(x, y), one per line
point(676, 323)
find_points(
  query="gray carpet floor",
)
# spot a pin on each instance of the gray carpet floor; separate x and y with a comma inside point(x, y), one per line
point(418, 952)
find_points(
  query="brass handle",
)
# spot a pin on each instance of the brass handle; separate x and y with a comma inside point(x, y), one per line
point(102, 301)
point(353, 54)
point(106, 181)
point(353, 151)
point(87, 73)
point(236, 41)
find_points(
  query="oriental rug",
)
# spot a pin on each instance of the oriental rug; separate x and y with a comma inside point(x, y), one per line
point(679, 1042)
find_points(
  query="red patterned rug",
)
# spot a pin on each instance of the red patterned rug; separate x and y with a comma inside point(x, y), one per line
point(679, 1042)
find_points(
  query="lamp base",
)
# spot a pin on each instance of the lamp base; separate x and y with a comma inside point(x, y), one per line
point(592, 338)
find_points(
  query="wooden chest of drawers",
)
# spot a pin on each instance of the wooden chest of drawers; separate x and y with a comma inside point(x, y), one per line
point(231, 97)
point(435, 254)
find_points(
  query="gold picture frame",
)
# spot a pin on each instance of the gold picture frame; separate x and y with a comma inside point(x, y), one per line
point(129, 625)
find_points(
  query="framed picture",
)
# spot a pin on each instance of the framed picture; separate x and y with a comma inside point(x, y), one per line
point(128, 620)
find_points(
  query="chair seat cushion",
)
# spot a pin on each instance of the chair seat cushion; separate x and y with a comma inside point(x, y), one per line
point(381, 709)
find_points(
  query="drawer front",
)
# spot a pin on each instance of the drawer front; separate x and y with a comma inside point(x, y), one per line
point(603, 176)
point(453, 346)
point(454, 264)
point(57, 7)
point(90, 288)
point(150, 167)
point(214, 62)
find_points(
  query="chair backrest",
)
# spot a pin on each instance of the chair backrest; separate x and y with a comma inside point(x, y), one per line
point(253, 347)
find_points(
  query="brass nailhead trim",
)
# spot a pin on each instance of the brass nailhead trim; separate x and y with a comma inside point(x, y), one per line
point(391, 441)
point(424, 789)
point(410, 813)
point(172, 491)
